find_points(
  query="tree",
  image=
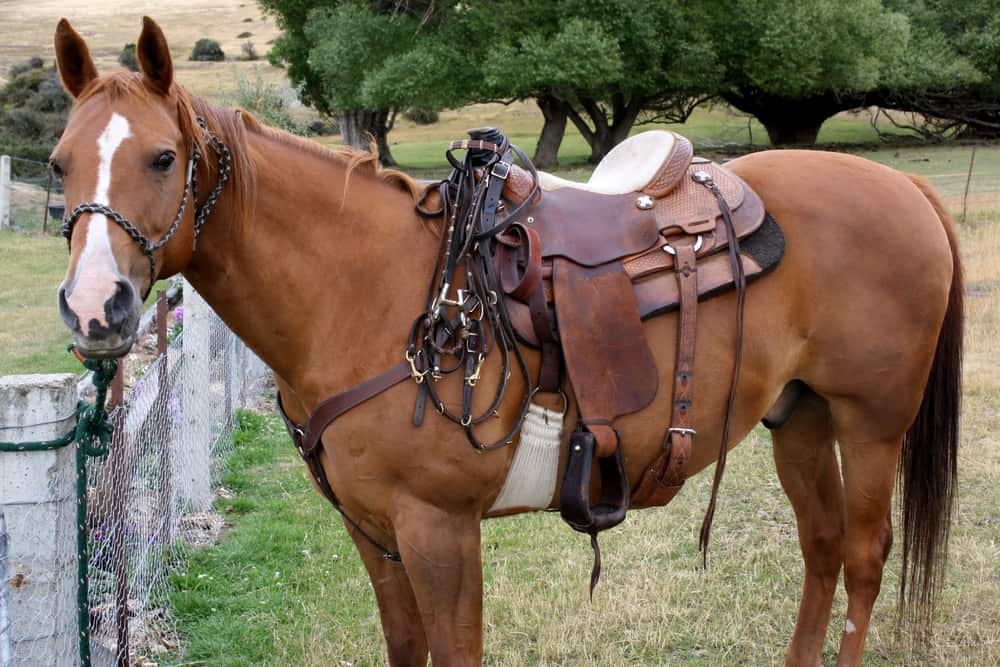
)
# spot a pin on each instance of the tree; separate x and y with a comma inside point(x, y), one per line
point(795, 63)
point(600, 64)
point(330, 46)
point(949, 78)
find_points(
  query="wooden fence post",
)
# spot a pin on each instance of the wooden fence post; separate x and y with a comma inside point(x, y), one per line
point(38, 500)
point(4, 191)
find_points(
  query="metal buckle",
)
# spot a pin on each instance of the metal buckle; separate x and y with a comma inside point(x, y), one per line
point(418, 376)
point(501, 170)
point(683, 431)
point(698, 243)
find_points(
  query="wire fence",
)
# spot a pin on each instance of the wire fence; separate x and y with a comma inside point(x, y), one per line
point(148, 500)
point(32, 193)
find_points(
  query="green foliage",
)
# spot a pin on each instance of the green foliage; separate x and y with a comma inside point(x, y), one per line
point(207, 50)
point(349, 42)
point(799, 48)
point(33, 111)
point(128, 58)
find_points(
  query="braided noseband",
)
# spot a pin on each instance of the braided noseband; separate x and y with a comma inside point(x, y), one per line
point(190, 187)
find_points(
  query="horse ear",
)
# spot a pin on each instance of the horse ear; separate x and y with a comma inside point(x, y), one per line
point(75, 64)
point(154, 57)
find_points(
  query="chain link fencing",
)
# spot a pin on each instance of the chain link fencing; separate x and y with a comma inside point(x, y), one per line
point(148, 500)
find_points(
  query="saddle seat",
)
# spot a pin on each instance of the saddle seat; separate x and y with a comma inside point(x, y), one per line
point(650, 160)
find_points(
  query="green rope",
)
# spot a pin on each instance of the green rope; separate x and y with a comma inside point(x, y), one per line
point(43, 446)
point(92, 436)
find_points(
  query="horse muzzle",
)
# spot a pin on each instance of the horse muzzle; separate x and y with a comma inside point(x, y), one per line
point(103, 326)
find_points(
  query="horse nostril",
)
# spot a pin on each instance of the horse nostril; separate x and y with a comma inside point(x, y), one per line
point(119, 307)
point(68, 316)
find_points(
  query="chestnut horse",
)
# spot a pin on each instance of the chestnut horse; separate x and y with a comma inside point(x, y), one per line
point(318, 261)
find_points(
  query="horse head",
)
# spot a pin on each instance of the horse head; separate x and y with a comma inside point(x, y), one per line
point(126, 160)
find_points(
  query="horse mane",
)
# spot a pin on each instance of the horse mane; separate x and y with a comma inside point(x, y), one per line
point(232, 127)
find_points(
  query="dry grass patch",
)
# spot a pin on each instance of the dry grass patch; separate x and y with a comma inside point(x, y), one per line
point(27, 29)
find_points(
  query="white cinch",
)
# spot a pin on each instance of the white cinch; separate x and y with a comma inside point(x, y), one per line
point(531, 480)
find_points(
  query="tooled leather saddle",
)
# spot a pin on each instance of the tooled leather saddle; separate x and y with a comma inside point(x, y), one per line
point(587, 263)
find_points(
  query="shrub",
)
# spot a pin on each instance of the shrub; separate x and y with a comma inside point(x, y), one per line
point(421, 116)
point(127, 57)
point(33, 110)
point(264, 100)
point(321, 127)
point(249, 52)
point(207, 50)
point(20, 68)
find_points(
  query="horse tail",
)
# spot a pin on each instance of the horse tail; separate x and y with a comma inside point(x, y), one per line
point(928, 468)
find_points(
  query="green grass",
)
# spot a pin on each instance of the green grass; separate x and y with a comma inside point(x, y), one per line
point(287, 588)
point(286, 561)
point(33, 338)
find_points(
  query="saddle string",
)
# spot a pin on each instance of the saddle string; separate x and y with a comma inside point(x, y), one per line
point(736, 265)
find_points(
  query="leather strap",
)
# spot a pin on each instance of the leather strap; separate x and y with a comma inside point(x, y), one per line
point(665, 477)
point(308, 441)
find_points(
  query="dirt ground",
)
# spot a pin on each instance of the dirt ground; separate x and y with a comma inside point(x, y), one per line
point(27, 27)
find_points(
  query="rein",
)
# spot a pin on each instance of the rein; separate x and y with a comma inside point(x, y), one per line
point(458, 332)
point(148, 247)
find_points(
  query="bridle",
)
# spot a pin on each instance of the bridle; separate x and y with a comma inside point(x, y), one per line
point(148, 247)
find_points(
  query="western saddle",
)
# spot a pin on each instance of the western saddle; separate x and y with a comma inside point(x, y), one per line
point(644, 236)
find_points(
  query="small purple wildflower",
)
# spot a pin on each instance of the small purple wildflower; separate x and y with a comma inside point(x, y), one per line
point(179, 314)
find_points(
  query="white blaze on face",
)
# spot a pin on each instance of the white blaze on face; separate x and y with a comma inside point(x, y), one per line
point(97, 271)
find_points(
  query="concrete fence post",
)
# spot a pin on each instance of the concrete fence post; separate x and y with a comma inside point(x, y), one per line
point(38, 503)
point(194, 475)
point(4, 191)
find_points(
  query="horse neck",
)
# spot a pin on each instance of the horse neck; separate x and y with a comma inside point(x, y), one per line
point(322, 286)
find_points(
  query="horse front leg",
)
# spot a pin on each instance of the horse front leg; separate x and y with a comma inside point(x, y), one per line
point(441, 552)
point(402, 626)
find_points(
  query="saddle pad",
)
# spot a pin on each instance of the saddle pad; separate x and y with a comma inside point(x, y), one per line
point(609, 362)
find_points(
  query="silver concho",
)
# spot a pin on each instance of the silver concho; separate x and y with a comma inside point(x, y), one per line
point(645, 202)
point(701, 177)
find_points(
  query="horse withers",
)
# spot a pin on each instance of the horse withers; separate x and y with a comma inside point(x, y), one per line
point(854, 340)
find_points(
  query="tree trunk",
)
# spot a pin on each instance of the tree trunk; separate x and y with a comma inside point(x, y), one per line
point(358, 128)
point(555, 115)
point(790, 121)
point(606, 133)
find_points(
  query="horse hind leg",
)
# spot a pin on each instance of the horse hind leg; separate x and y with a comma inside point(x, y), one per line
point(869, 471)
point(807, 467)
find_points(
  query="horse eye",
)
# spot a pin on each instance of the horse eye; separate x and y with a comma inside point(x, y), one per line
point(164, 161)
point(56, 168)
